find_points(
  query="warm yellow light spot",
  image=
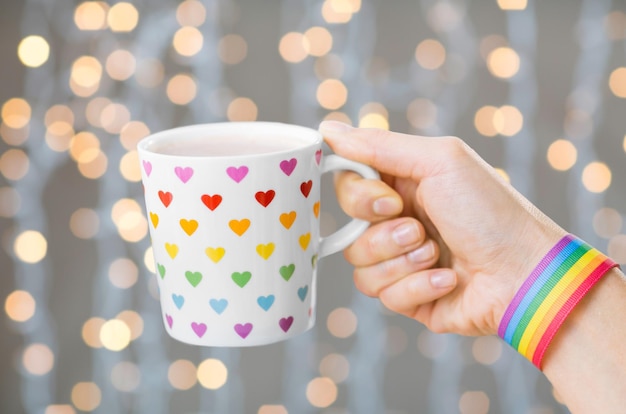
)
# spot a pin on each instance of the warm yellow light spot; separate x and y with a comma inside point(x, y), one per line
point(14, 164)
point(336, 367)
point(512, 4)
point(508, 120)
point(422, 113)
point(113, 117)
point(14, 136)
point(341, 322)
point(182, 374)
point(338, 116)
point(294, 47)
point(181, 89)
point(339, 11)
point(94, 110)
point(502, 173)
point(272, 409)
point(483, 121)
point(85, 76)
point(148, 260)
point(91, 15)
point(86, 396)
point(84, 223)
point(320, 41)
point(503, 62)
point(129, 220)
point(84, 147)
point(191, 13)
point(329, 66)
point(617, 248)
point(91, 332)
point(374, 120)
point(132, 133)
point(33, 51)
point(562, 155)
point(332, 94)
point(242, 109)
point(321, 392)
point(615, 25)
point(150, 73)
point(60, 409)
point(430, 54)
point(123, 273)
point(30, 246)
point(95, 167)
point(115, 335)
point(487, 349)
point(212, 373)
point(624, 143)
point(607, 222)
point(120, 65)
point(232, 49)
point(10, 201)
point(188, 41)
point(617, 82)
point(38, 359)
point(134, 321)
point(16, 113)
point(59, 120)
point(122, 17)
point(490, 43)
point(20, 306)
point(129, 167)
point(474, 402)
point(596, 177)
point(125, 376)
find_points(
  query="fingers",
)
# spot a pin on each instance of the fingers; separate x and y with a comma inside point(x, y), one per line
point(371, 200)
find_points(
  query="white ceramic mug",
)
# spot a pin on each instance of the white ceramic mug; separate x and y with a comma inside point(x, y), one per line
point(236, 237)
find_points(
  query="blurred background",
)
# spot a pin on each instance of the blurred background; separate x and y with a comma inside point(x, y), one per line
point(537, 88)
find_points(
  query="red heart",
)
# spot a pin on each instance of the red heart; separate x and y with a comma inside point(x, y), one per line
point(166, 198)
point(306, 188)
point(211, 201)
point(265, 198)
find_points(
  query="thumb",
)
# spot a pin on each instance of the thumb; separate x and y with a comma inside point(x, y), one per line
point(393, 153)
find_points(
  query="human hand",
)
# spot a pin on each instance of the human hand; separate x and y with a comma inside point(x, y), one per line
point(475, 239)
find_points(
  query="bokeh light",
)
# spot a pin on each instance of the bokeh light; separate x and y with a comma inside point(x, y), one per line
point(85, 76)
point(596, 177)
point(338, 116)
point(148, 260)
point(130, 167)
point(115, 335)
point(128, 217)
point(14, 164)
point(122, 17)
point(503, 62)
point(59, 120)
point(272, 409)
point(10, 201)
point(332, 94)
point(188, 41)
point(114, 117)
point(421, 113)
point(320, 41)
point(20, 306)
point(242, 109)
point(182, 374)
point(33, 51)
point(512, 4)
point(212, 373)
point(483, 121)
point(181, 89)
point(508, 120)
point(607, 222)
point(321, 392)
point(562, 155)
point(294, 47)
point(430, 54)
point(14, 136)
point(336, 367)
point(617, 248)
point(91, 15)
point(340, 11)
point(16, 113)
point(490, 43)
point(91, 332)
point(120, 65)
point(93, 165)
point(38, 359)
point(94, 108)
point(126, 376)
point(86, 396)
point(123, 273)
point(615, 25)
point(474, 402)
point(60, 409)
point(134, 321)
point(341, 322)
point(30, 246)
point(191, 13)
point(232, 49)
point(84, 223)
point(132, 133)
point(487, 349)
point(617, 82)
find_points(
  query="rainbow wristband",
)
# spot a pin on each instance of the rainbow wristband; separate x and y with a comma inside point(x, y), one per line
point(550, 293)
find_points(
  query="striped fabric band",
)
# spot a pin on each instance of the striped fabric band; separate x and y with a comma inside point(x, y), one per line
point(555, 286)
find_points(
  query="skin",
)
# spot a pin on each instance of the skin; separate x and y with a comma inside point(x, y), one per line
point(450, 244)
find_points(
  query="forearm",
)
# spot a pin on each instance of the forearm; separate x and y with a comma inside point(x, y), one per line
point(586, 362)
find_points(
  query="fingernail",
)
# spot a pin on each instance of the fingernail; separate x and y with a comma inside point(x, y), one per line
point(422, 253)
point(405, 234)
point(334, 126)
point(386, 206)
point(443, 279)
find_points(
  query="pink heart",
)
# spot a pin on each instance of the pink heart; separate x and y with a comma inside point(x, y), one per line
point(243, 330)
point(184, 173)
point(170, 320)
point(285, 323)
point(198, 328)
point(237, 173)
point(147, 166)
point(318, 156)
point(288, 166)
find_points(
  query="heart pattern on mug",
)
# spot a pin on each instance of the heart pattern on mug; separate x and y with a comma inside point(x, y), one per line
point(265, 250)
point(184, 173)
point(189, 226)
point(237, 173)
point(218, 305)
point(287, 219)
point(170, 320)
point(287, 166)
point(239, 227)
point(211, 201)
point(285, 323)
point(215, 253)
point(161, 270)
point(318, 156)
point(305, 188)
point(171, 249)
point(179, 300)
point(194, 278)
point(198, 328)
point(241, 279)
point(304, 240)
point(243, 330)
point(287, 271)
point(265, 197)
point(166, 198)
point(154, 218)
point(265, 302)
point(147, 167)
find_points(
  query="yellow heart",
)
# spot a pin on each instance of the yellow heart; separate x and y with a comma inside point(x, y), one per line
point(265, 250)
point(287, 219)
point(189, 226)
point(154, 217)
point(304, 240)
point(239, 226)
point(171, 249)
point(316, 209)
point(215, 254)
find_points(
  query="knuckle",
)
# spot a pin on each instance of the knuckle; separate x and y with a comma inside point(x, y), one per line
point(455, 147)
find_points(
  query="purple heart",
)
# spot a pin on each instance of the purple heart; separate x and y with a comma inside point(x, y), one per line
point(318, 156)
point(243, 330)
point(184, 173)
point(170, 320)
point(198, 328)
point(147, 166)
point(285, 323)
point(288, 166)
point(237, 174)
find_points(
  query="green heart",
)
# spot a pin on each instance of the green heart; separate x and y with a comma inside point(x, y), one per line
point(313, 261)
point(161, 270)
point(193, 277)
point(287, 271)
point(241, 279)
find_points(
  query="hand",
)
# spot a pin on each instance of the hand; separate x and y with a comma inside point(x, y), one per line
point(462, 241)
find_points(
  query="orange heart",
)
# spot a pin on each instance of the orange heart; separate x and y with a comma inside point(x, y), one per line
point(316, 209)
point(189, 226)
point(265, 250)
point(239, 226)
point(287, 219)
point(215, 254)
point(304, 240)
point(154, 217)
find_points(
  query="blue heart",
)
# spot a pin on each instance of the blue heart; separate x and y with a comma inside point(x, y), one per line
point(179, 300)
point(265, 302)
point(302, 292)
point(218, 305)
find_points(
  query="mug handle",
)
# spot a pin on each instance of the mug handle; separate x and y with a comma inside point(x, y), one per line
point(340, 239)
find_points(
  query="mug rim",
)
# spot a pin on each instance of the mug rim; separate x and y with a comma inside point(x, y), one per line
point(313, 136)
